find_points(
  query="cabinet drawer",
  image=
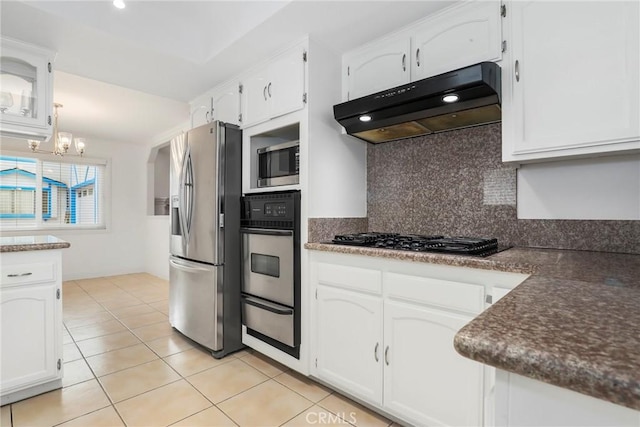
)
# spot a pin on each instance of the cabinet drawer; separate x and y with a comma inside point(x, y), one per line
point(19, 274)
point(441, 293)
point(343, 276)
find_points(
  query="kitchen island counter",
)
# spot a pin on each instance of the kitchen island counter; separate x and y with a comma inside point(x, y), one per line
point(573, 323)
point(31, 243)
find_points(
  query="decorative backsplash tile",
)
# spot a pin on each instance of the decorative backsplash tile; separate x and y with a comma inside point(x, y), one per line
point(324, 229)
point(455, 183)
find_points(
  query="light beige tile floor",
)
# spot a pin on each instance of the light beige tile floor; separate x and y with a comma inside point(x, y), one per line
point(125, 366)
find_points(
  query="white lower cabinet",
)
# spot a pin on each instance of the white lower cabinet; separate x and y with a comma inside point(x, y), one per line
point(350, 341)
point(31, 311)
point(522, 401)
point(425, 380)
point(384, 330)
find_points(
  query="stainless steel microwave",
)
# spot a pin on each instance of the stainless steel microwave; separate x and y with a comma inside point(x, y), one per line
point(279, 164)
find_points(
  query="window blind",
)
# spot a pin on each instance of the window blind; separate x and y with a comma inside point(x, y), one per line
point(40, 194)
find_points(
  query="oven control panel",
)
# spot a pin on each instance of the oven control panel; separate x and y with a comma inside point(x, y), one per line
point(273, 209)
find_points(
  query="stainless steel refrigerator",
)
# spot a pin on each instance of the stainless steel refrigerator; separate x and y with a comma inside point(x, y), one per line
point(205, 185)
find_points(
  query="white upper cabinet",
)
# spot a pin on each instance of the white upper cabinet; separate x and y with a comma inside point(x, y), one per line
point(377, 67)
point(221, 103)
point(458, 37)
point(276, 89)
point(201, 110)
point(255, 100)
point(226, 104)
point(571, 81)
point(26, 90)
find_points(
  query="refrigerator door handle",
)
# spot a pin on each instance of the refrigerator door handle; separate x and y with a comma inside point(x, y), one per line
point(187, 268)
point(183, 196)
point(189, 190)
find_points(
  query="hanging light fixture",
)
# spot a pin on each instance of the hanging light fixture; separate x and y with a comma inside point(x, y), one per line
point(61, 140)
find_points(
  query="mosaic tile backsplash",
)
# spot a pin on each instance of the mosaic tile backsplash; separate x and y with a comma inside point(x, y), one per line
point(454, 183)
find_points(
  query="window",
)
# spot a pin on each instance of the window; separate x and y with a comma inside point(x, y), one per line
point(42, 193)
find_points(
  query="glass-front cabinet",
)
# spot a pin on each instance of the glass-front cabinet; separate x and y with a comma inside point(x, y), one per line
point(26, 90)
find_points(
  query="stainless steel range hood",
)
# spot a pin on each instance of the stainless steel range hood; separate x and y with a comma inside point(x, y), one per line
point(462, 98)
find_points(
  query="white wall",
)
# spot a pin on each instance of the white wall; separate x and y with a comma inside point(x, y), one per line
point(156, 227)
point(161, 173)
point(604, 188)
point(120, 248)
point(156, 249)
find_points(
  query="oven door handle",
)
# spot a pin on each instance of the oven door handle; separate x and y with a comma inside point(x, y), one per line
point(267, 306)
point(267, 232)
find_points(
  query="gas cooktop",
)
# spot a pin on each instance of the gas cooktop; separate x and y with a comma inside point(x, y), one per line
point(476, 246)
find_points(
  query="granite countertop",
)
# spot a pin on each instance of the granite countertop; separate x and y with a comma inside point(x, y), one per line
point(31, 243)
point(574, 323)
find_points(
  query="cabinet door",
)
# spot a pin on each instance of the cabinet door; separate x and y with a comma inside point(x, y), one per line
point(226, 104)
point(286, 84)
point(29, 351)
point(255, 100)
point(573, 77)
point(425, 380)
point(349, 342)
point(459, 37)
point(26, 95)
point(378, 67)
point(201, 111)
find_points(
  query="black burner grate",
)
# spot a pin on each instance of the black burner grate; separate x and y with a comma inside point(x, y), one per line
point(417, 243)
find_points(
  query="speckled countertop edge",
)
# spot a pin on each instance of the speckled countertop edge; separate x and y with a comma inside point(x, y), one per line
point(31, 243)
point(573, 323)
point(487, 263)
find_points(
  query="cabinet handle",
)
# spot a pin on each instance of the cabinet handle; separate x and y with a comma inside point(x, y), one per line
point(517, 69)
point(375, 352)
point(418, 57)
point(269, 89)
point(404, 62)
point(19, 275)
point(264, 93)
point(386, 355)
point(206, 116)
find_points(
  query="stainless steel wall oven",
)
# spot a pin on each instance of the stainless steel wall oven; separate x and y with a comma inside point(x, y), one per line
point(270, 231)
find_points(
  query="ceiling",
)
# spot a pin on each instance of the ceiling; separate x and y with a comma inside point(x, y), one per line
point(169, 52)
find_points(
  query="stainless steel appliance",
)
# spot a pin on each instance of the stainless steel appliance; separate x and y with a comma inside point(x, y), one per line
point(462, 98)
point(204, 286)
point(279, 164)
point(271, 268)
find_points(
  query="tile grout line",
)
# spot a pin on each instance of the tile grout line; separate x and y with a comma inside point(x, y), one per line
point(95, 377)
point(127, 328)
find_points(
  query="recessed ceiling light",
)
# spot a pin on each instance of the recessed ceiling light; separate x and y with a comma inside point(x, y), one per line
point(119, 4)
point(450, 98)
point(365, 118)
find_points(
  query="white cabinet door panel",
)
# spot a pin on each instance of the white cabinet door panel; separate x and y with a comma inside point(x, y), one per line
point(255, 101)
point(461, 37)
point(578, 78)
point(28, 335)
point(425, 379)
point(287, 83)
point(349, 331)
point(226, 104)
point(378, 67)
point(201, 111)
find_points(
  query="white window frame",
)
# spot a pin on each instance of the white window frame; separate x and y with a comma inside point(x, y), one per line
point(40, 224)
